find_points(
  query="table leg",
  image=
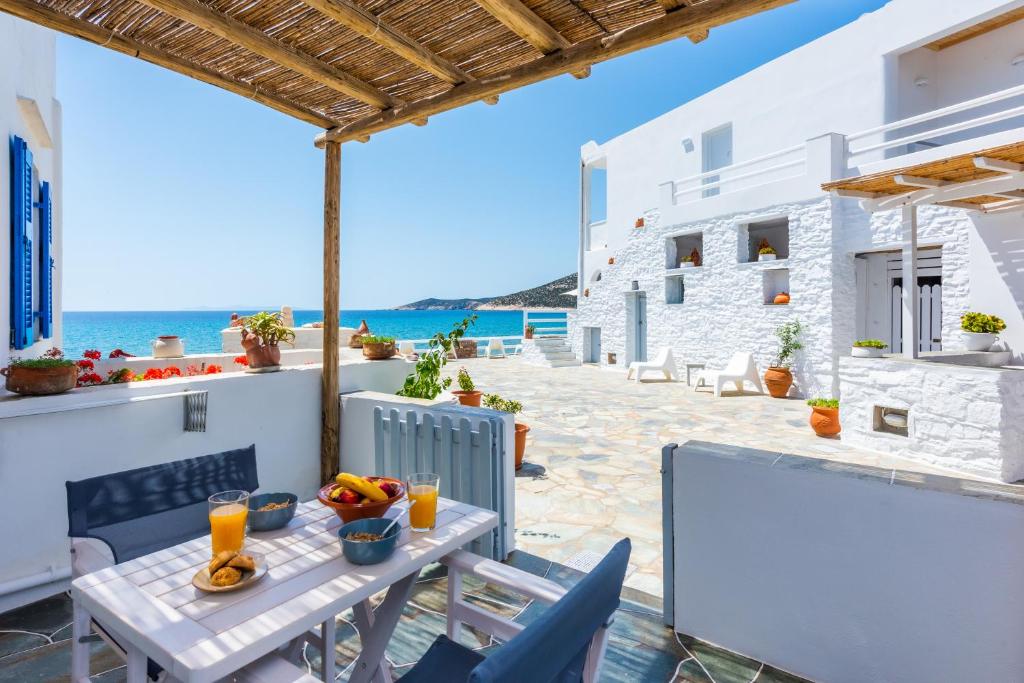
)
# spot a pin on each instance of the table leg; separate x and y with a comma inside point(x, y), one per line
point(327, 650)
point(375, 630)
point(79, 645)
point(363, 617)
point(136, 665)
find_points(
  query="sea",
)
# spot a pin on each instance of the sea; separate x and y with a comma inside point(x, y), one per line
point(133, 331)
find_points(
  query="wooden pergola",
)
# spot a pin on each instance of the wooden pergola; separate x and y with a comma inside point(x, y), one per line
point(358, 67)
point(988, 181)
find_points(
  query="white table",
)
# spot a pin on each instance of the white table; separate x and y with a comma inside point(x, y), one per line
point(150, 606)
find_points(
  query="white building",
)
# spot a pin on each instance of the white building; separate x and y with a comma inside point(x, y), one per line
point(30, 190)
point(914, 81)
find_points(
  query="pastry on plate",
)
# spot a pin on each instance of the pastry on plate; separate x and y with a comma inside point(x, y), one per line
point(220, 560)
point(225, 576)
point(243, 562)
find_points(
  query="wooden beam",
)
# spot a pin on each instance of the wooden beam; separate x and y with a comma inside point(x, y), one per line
point(330, 417)
point(673, 5)
point(595, 50)
point(699, 36)
point(256, 41)
point(978, 29)
point(998, 165)
point(918, 181)
point(39, 14)
point(365, 23)
point(525, 23)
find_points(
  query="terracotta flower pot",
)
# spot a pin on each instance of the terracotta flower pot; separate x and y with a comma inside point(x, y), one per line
point(825, 421)
point(40, 381)
point(781, 298)
point(778, 381)
point(260, 355)
point(469, 398)
point(378, 350)
point(466, 348)
point(528, 334)
point(355, 341)
point(521, 430)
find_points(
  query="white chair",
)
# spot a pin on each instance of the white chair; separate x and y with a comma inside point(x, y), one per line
point(741, 368)
point(406, 348)
point(663, 363)
point(496, 348)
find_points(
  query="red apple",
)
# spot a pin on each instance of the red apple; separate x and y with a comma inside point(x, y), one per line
point(349, 497)
point(388, 488)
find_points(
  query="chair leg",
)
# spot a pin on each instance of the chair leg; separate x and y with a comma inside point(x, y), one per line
point(79, 648)
point(595, 656)
point(719, 383)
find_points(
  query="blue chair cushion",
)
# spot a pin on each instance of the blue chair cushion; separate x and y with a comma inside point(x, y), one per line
point(445, 662)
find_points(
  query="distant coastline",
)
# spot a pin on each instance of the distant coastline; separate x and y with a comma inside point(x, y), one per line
point(550, 295)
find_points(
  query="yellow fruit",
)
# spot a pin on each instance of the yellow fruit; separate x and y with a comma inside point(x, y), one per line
point(335, 493)
point(362, 486)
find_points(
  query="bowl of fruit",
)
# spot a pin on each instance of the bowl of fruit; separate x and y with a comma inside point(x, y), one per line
point(353, 497)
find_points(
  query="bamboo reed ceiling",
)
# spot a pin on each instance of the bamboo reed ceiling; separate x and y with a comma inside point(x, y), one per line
point(354, 67)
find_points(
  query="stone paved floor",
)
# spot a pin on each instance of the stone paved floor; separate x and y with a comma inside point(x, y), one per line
point(594, 453)
point(35, 646)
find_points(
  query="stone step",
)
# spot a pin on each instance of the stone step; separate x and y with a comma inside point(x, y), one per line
point(565, 363)
point(560, 355)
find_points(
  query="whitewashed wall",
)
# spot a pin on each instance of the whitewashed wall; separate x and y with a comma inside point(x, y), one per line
point(28, 70)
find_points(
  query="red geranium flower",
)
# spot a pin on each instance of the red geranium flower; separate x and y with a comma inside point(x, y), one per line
point(213, 369)
point(89, 379)
point(171, 371)
point(242, 360)
point(93, 354)
point(153, 373)
point(85, 364)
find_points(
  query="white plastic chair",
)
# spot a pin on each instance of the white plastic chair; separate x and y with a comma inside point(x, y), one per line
point(741, 368)
point(496, 348)
point(406, 348)
point(663, 363)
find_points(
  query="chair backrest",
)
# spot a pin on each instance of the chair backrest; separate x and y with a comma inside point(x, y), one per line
point(496, 345)
point(150, 508)
point(406, 348)
point(664, 356)
point(554, 647)
point(739, 364)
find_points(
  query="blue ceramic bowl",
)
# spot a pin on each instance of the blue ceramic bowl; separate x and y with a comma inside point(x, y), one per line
point(368, 552)
point(272, 519)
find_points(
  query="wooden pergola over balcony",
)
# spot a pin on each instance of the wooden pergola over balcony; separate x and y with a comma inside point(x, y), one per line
point(358, 67)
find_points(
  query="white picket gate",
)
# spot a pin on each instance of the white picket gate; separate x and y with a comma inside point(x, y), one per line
point(930, 310)
point(471, 462)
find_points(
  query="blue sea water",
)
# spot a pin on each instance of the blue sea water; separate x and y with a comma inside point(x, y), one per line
point(133, 331)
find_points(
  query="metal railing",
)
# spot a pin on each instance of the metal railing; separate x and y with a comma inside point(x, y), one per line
point(546, 322)
point(726, 180)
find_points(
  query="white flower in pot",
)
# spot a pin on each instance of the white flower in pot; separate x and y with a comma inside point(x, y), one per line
point(980, 330)
point(686, 262)
point(868, 348)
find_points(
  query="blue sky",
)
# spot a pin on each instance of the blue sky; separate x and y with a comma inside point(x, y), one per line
point(179, 195)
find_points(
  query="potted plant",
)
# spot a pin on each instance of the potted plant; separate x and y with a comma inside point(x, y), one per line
point(495, 402)
point(980, 330)
point(51, 374)
point(378, 348)
point(778, 378)
point(467, 392)
point(868, 348)
point(262, 334)
point(530, 329)
point(425, 380)
point(686, 262)
point(825, 416)
point(781, 299)
point(765, 251)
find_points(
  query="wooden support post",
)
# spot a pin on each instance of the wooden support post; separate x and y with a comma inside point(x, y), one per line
point(911, 297)
point(329, 412)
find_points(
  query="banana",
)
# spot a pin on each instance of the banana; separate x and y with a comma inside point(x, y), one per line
point(360, 485)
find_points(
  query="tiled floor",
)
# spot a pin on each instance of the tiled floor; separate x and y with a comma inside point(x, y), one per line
point(594, 452)
point(34, 643)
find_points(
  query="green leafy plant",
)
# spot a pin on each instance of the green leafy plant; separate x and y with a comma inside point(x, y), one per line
point(54, 358)
point(686, 259)
point(503, 405)
point(764, 248)
point(375, 339)
point(870, 344)
point(425, 380)
point(465, 381)
point(981, 323)
point(269, 327)
point(823, 402)
point(531, 328)
point(789, 343)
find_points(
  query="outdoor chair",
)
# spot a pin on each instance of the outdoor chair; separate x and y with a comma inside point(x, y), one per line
point(741, 368)
point(117, 517)
point(566, 643)
point(663, 363)
point(406, 349)
point(496, 348)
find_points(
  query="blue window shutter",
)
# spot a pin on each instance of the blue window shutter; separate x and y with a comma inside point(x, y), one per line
point(21, 244)
point(45, 261)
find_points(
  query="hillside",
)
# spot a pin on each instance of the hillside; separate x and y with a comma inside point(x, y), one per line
point(545, 296)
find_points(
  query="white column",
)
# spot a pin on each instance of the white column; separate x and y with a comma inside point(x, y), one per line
point(584, 229)
point(911, 296)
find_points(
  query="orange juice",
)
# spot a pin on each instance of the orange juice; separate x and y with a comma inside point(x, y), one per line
point(227, 527)
point(423, 514)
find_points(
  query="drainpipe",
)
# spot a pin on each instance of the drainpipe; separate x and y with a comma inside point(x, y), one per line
point(911, 297)
point(25, 582)
point(584, 219)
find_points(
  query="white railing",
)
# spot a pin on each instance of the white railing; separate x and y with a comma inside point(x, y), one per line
point(764, 169)
point(931, 133)
point(547, 322)
point(597, 235)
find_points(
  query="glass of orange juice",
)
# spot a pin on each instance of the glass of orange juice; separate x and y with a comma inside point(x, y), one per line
point(422, 491)
point(228, 513)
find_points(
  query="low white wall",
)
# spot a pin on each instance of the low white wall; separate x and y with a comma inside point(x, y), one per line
point(305, 338)
point(138, 364)
point(968, 419)
point(76, 438)
point(848, 574)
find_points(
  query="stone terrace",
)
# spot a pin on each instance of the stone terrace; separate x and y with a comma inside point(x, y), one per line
point(593, 458)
